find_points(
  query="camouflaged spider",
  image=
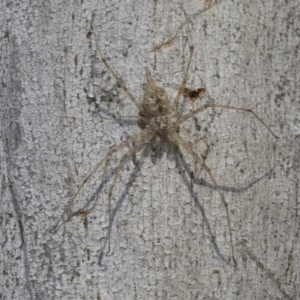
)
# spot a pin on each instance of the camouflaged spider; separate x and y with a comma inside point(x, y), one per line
point(159, 120)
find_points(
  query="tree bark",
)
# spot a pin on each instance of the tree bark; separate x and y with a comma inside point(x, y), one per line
point(62, 110)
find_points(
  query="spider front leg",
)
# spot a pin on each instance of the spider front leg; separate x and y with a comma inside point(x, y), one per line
point(181, 142)
point(119, 80)
point(211, 104)
point(185, 75)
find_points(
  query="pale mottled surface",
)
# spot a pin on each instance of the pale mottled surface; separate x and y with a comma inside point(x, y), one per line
point(53, 132)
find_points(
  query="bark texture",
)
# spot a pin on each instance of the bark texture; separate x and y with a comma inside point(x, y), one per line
point(169, 237)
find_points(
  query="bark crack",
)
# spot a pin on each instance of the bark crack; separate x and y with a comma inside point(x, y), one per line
point(19, 218)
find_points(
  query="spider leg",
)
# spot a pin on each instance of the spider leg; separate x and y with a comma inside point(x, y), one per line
point(113, 150)
point(112, 186)
point(110, 193)
point(184, 79)
point(129, 117)
point(136, 147)
point(124, 158)
point(119, 80)
point(181, 142)
point(215, 105)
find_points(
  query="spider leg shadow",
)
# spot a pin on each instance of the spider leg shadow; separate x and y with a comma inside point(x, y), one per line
point(232, 189)
point(113, 116)
point(119, 202)
point(184, 169)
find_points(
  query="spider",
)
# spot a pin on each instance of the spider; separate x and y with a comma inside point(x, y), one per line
point(159, 120)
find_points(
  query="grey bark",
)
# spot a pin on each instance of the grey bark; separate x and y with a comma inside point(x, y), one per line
point(169, 239)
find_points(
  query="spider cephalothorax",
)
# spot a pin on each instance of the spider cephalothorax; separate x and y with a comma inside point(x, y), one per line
point(157, 113)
